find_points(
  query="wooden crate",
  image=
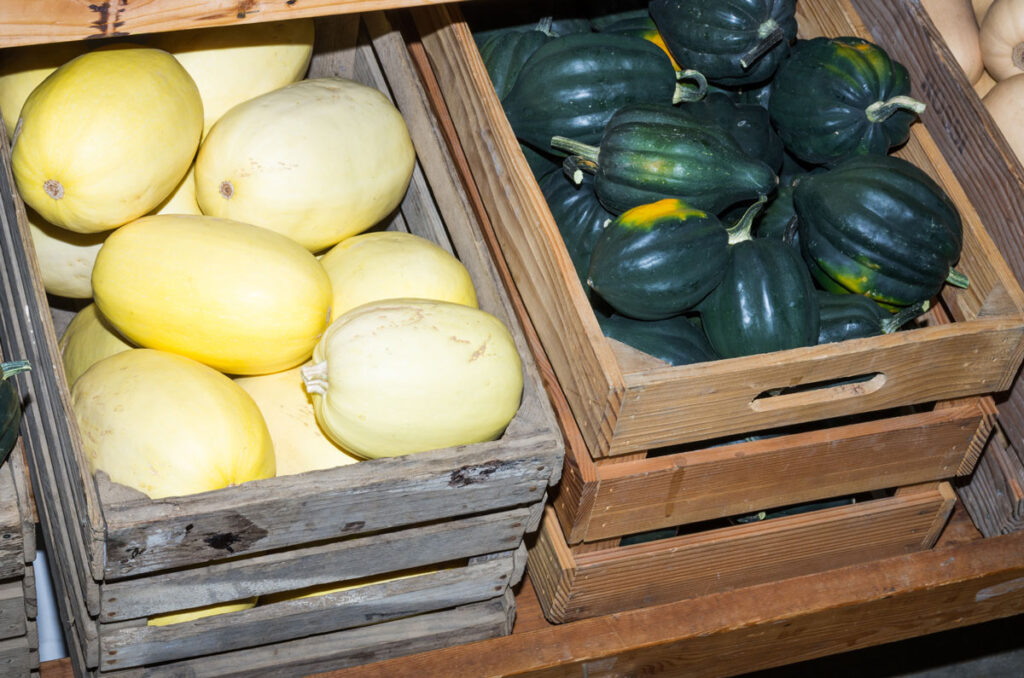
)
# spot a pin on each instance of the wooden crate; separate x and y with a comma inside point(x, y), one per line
point(590, 580)
point(19, 639)
point(622, 407)
point(119, 557)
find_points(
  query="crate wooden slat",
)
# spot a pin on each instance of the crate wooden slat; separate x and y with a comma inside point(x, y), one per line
point(994, 494)
point(19, 641)
point(26, 23)
point(575, 585)
point(119, 557)
point(621, 410)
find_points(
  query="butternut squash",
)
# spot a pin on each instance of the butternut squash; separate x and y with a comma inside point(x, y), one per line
point(389, 264)
point(955, 22)
point(234, 296)
point(319, 160)
point(400, 376)
point(169, 426)
point(1005, 103)
point(106, 137)
point(1002, 39)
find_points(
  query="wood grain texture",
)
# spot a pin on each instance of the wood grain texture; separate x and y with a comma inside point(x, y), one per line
point(698, 564)
point(12, 548)
point(754, 627)
point(12, 609)
point(284, 620)
point(994, 494)
point(25, 23)
point(966, 133)
point(662, 406)
point(744, 477)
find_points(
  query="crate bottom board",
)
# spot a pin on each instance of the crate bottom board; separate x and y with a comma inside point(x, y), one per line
point(478, 621)
point(574, 584)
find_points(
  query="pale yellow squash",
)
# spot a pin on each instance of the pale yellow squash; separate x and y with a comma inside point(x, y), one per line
point(183, 199)
point(406, 375)
point(1005, 103)
point(106, 137)
point(237, 297)
point(299, 444)
point(1002, 39)
point(232, 64)
point(88, 339)
point(980, 8)
point(23, 68)
point(389, 264)
point(955, 22)
point(199, 612)
point(169, 426)
point(65, 257)
point(319, 160)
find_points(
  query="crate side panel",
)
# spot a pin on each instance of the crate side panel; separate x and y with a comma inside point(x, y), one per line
point(12, 609)
point(743, 555)
point(733, 479)
point(12, 548)
point(288, 619)
point(697, 402)
point(351, 647)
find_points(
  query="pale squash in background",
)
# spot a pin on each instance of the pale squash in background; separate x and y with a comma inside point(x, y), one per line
point(183, 199)
point(1002, 39)
point(955, 21)
point(232, 64)
point(389, 264)
point(169, 426)
point(319, 161)
point(65, 257)
point(23, 68)
point(106, 137)
point(88, 339)
point(1005, 103)
point(299, 443)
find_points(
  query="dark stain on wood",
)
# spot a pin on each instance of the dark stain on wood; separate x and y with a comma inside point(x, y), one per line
point(108, 19)
point(470, 475)
point(222, 541)
point(246, 7)
point(241, 537)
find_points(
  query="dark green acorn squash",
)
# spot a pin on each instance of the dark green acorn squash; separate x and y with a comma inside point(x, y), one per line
point(732, 42)
point(572, 85)
point(650, 152)
point(506, 52)
point(877, 225)
point(837, 97)
point(778, 220)
point(10, 406)
point(676, 340)
point(765, 302)
point(658, 260)
point(853, 316)
point(580, 218)
point(748, 124)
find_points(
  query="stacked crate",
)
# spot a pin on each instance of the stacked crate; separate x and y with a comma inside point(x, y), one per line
point(455, 517)
point(19, 639)
point(853, 472)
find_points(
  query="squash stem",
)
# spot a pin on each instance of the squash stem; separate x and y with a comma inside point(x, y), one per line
point(690, 93)
point(904, 316)
point(573, 147)
point(771, 34)
point(957, 279)
point(13, 367)
point(314, 376)
point(881, 110)
point(742, 229)
point(574, 166)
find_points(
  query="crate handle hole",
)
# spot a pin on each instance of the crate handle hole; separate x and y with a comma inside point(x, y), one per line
point(814, 393)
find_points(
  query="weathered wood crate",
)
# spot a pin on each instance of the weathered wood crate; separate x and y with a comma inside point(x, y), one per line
point(19, 639)
point(459, 513)
point(623, 407)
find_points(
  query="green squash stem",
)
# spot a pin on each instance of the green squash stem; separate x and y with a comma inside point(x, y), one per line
point(14, 367)
point(902, 317)
point(770, 33)
point(689, 93)
point(957, 279)
point(582, 157)
point(881, 110)
point(741, 230)
point(574, 166)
